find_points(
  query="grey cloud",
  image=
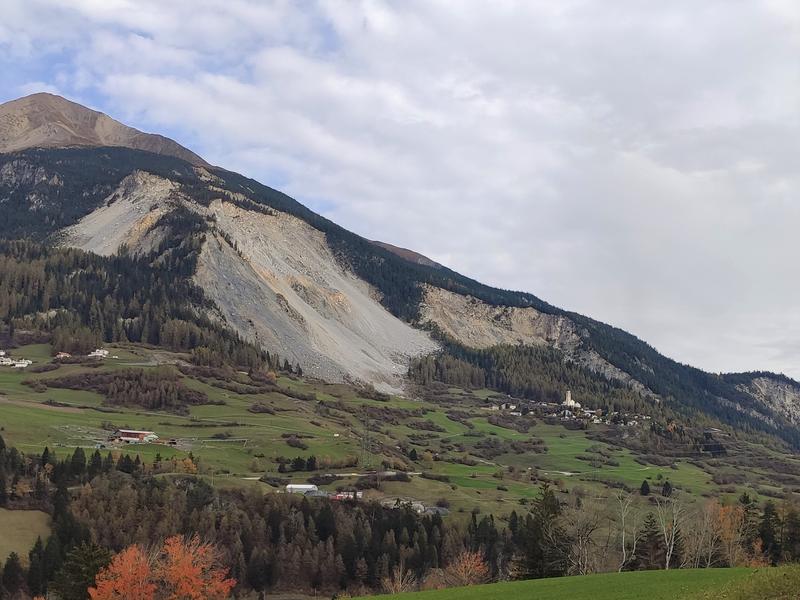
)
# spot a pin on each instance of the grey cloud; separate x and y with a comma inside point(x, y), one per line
point(635, 162)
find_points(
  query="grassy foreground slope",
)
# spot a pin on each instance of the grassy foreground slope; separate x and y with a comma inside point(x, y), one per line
point(653, 585)
point(19, 530)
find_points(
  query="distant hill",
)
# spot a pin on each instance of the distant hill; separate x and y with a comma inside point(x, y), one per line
point(50, 121)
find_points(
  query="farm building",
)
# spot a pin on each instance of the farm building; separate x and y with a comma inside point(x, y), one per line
point(130, 436)
point(301, 488)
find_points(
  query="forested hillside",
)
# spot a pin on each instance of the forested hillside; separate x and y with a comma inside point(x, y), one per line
point(84, 300)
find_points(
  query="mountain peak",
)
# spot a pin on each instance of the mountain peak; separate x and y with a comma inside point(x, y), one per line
point(45, 120)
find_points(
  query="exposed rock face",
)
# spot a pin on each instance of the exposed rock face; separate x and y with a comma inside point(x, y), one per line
point(288, 291)
point(127, 216)
point(779, 396)
point(280, 285)
point(477, 324)
point(49, 121)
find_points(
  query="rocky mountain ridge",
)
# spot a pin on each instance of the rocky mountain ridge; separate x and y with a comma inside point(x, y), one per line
point(341, 306)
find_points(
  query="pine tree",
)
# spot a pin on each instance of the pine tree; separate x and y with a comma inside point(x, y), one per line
point(37, 581)
point(77, 465)
point(666, 489)
point(95, 465)
point(79, 570)
point(645, 489)
point(13, 575)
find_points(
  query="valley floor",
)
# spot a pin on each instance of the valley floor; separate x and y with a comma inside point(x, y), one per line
point(458, 455)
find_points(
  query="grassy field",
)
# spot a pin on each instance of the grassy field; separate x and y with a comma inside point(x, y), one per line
point(19, 530)
point(236, 446)
point(650, 585)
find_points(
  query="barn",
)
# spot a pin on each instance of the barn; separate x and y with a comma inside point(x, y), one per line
point(132, 436)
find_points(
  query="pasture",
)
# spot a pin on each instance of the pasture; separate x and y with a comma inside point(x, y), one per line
point(654, 585)
point(19, 530)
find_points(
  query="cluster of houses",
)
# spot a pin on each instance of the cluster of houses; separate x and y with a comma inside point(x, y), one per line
point(570, 410)
point(14, 363)
point(21, 363)
point(98, 353)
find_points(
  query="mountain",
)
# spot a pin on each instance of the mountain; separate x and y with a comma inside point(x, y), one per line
point(340, 306)
point(50, 121)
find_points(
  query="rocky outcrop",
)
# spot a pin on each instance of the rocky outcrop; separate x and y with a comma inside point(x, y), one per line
point(127, 216)
point(778, 395)
point(476, 324)
point(480, 325)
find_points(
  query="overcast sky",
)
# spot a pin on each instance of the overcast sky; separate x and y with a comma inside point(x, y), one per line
point(634, 161)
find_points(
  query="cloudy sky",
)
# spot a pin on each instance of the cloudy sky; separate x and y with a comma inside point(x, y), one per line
point(634, 161)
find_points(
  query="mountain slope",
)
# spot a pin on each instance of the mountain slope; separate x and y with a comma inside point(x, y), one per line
point(340, 305)
point(50, 121)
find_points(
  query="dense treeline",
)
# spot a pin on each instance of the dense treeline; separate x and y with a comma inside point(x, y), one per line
point(536, 373)
point(85, 299)
point(155, 389)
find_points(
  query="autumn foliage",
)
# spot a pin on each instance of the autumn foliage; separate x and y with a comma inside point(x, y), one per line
point(468, 568)
point(180, 570)
point(189, 571)
point(127, 577)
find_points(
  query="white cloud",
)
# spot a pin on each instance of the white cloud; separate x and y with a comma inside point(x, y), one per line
point(630, 161)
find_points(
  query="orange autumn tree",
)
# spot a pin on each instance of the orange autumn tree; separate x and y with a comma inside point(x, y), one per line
point(180, 570)
point(128, 577)
point(190, 571)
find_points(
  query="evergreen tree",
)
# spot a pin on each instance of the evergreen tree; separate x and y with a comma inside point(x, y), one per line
point(79, 570)
point(768, 531)
point(650, 554)
point(666, 489)
point(644, 490)
point(37, 580)
point(95, 465)
point(77, 465)
point(13, 575)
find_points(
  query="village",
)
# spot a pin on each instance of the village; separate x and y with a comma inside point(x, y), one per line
point(569, 411)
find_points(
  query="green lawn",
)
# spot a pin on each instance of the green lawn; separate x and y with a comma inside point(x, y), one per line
point(649, 585)
point(19, 530)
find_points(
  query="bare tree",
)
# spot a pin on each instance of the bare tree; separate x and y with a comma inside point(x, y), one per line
point(629, 526)
point(399, 580)
point(581, 525)
point(704, 537)
point(671, 514)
